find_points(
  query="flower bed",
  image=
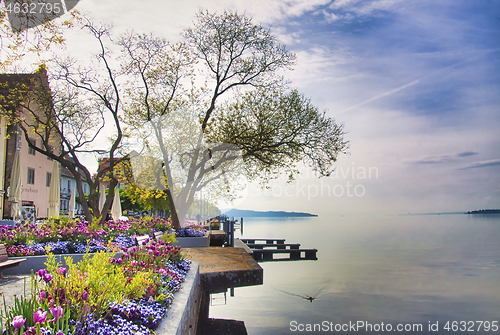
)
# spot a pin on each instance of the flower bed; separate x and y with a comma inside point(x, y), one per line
point(102, 295)
point(62, 236)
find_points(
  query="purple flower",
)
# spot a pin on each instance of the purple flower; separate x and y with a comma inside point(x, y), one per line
point(18, 321)
point(85, 295)
point(47, 278)
point(43, 295)
point(57, 313)
point(62, 271)
point(42, 272)
point(30, 331)
point(39, 316)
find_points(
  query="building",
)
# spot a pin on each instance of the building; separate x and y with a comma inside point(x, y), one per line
point(68, 183)
point(3, 148)
point(36, 173)
point(35, 168)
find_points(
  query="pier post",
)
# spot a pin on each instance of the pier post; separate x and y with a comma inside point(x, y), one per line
point(295, 254)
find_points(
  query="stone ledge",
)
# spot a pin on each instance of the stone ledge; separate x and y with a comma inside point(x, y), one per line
point(36, 263)
point(182, 316)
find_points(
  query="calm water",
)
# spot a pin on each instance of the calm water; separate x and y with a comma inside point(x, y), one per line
point(396, 270)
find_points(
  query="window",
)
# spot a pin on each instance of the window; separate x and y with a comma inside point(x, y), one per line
point(31, 151)
point(47, 179)
point(31, 176)
point(69, 186)
point(50, 149)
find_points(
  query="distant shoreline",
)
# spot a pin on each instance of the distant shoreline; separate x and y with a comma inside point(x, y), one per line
point(481, 211)
point(266, 214)
point(485, 211)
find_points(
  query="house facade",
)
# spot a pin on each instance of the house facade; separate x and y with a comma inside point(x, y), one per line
point(35, 173)
point(35, 168)
point(68, 183)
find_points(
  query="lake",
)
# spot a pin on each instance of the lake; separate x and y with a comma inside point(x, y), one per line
point(372, 273)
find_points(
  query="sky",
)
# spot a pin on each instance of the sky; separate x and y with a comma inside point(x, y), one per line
point(415, 83)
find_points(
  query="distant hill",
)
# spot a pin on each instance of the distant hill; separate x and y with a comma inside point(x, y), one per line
point(269, 214)
point(485, 211)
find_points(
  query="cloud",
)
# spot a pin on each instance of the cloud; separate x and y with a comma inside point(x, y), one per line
point(445, 158)
point(435, 160)
point(363, 8)
point(467, 154)
point(482, 164)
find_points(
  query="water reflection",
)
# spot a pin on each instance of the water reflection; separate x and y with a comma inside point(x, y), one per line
point(318, 293)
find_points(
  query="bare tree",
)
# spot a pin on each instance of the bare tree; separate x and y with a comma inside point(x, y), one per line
point(65, 121)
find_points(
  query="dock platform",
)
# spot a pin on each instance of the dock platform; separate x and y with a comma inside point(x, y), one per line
point(266, 251)
point(223, 268)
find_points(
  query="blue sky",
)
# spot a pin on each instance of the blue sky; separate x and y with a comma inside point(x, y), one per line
point(416, 84)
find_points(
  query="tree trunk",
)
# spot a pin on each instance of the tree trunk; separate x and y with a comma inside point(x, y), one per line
point(173, 212)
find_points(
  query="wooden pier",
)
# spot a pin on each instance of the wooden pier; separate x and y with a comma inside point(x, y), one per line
point(266, 251)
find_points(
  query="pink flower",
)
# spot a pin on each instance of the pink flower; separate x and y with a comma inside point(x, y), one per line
point(43, 295)
point(39, 316)
point(85, 295)
point(30, 331)
point(47, 278)
point(18, 321)
point(57, 313)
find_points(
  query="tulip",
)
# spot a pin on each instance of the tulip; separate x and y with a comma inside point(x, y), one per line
point(62, 271)
point(39, 316)
point(42, 272)
point(85, 295)
point(47, 277)
point(43, 295)
point(18, 321)
point(57, 313)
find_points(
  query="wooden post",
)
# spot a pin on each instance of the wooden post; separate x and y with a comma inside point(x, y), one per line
point(295, 254)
